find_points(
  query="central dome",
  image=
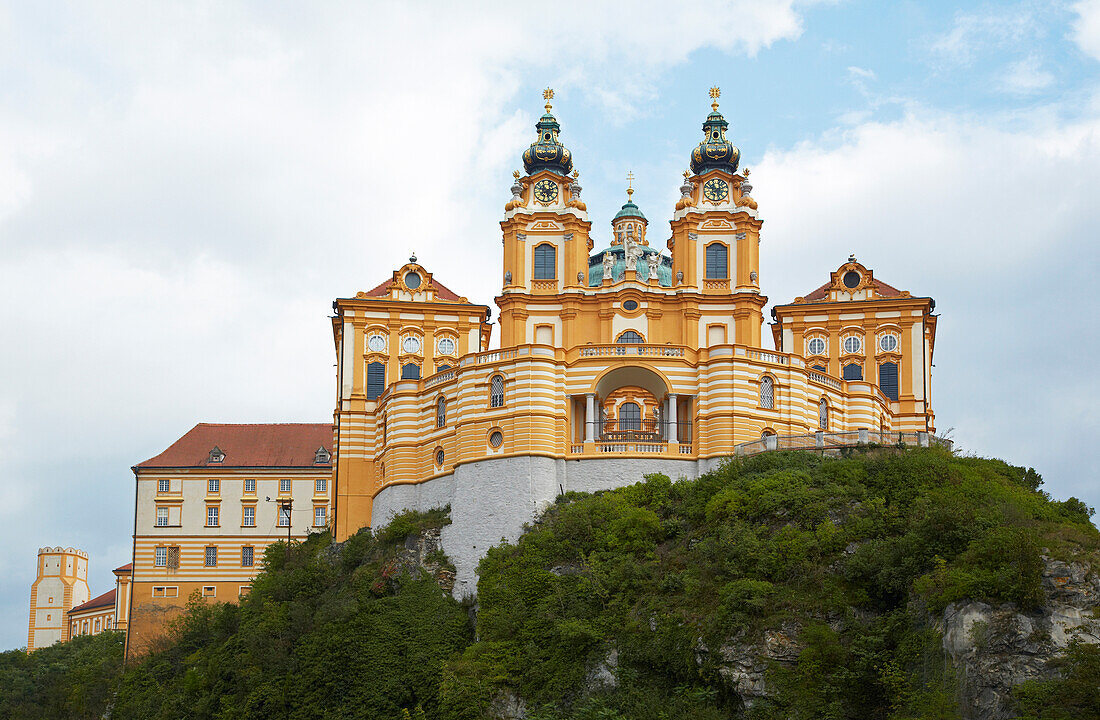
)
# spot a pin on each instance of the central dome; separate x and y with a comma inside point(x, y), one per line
point(715, 152)
point(546, 153)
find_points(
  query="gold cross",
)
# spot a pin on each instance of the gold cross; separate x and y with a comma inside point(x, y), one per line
point(548, 95)
point(715, 93)
point(629, 184)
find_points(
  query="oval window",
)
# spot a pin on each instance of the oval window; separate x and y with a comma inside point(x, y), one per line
point(816, 346)
point(496, 438)
point(439, 457)
point(411, 345)
point(851, 279)
point(446, 346)
point(377, 343)
point(630, 306)
point(888, 343)
point(412, 280)
point(852, 344)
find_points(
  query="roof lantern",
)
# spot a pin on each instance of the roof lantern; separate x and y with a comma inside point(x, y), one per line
point(715, 152)
point(546, 153)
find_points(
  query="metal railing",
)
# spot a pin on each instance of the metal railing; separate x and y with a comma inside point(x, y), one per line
point(837, 440)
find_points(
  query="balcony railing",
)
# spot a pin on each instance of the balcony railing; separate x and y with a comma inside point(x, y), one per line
point(837, 440)
point(629, 349)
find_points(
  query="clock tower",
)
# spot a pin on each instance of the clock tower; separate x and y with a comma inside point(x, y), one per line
point(545, 230)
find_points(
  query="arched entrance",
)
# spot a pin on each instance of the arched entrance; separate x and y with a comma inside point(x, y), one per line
point(630, 403)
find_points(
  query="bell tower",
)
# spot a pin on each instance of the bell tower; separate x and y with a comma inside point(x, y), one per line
point(715, 240)
point(545, 229)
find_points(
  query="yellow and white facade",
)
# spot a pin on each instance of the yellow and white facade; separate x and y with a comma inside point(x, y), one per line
point(61, 583)
point(208, 507)
point(610, 364)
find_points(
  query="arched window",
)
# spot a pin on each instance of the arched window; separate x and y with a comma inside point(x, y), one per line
point(853, 371)
point(630, 337)
point(545, 262)
point(410, 371)
point(819, 368)
point(376, 379)
point(717, 261)
point(630, 416)
point(443, 367)
point(767, 392)
point(496, 391)
point(823, 414)
point(441, 412)
point(888, 379)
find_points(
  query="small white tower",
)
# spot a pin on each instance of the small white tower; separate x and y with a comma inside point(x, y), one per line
point(61, 585)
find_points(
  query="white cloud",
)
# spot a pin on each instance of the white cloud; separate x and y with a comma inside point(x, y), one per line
point(1026, 76)
point(1086, 27)
point(861, 73)
point(973, 33)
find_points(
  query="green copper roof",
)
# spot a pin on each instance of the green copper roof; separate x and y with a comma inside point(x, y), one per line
point(595, 266)
point(629, 210)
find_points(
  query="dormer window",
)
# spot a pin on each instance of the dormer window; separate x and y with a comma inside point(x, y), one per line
point(322, 456)
point(216, 455)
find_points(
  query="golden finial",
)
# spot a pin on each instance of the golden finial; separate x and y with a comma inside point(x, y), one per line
point(515, 174)
point(686, 174)
point(746, 172)
point(715, 93)
point(576, 174)
point(629, 185)
point(548, 95)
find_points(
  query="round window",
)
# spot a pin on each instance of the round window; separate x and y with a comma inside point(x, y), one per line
point(411, 345)
point(377, 343)
point(630, 306)
point(852, 344)
point(446, 346)
point(439, 457)
point(496, 438)
point(412, 281)
point(816, 346)
point(888, 343)
point(851, 279)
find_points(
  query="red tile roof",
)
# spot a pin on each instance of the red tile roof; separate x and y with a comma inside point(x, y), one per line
point(882, 288)
point(124, 568)
point(441, 291)
point(253, 445)
point(107, 599)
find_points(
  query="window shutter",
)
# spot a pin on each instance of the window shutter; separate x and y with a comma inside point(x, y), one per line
point(376, 379)
point(888, 379)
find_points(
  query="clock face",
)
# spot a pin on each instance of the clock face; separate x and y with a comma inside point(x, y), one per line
point(411, 345)
point(715, 190)
point(546, 191)
point(377, 343)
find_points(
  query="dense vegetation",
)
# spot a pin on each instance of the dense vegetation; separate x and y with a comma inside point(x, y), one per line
point(838, 563)
point(73, 680)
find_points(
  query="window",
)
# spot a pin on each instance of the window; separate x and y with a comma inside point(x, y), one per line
point(376, 379)
point(630, 337)
point(816, 346)
point(853, 371)
point(164, 485)
point(173, 558)
point(319, 516)
point(630, 305)
point(717, 261)
point(162, 517)
point(212, 516)
point(284, 516)
point(320, 485)
point(160, 557)
point(545, 262)
point(852, 344)
point(247, 556)
point(441, 412)
point(210, 556)
point(248, 516)
point(888, 379)
point(819, 368)
point(412, 280)
point(823, 415)
point(767, 393)
point(439, 457)
point(84, 628)
point(630, 416)
point(208, 591)
point(410, 371)
point(442, 367)
point(376, 343)
point(852, 279)
point(107, 624)
point(446, 346)
point(496, 391)
point(250, 486)
point(97, 625)
point(411, 344)
point(170, 591)
point(496, 438)
point(284, 485)
point(888, 343)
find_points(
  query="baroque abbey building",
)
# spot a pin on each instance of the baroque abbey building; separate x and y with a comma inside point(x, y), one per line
point(613, 362)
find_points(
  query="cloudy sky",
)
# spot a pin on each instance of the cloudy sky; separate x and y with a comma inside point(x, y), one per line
point(184, 188)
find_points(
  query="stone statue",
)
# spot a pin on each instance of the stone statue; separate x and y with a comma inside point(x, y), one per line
point(654, 260)
point(608, 263)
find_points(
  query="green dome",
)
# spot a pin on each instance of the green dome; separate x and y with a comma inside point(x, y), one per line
point(547, 153)
point(595, 266)
point(715, 152)
point(629, 210)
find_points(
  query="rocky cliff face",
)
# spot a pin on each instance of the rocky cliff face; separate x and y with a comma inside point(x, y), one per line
point(995, 648)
